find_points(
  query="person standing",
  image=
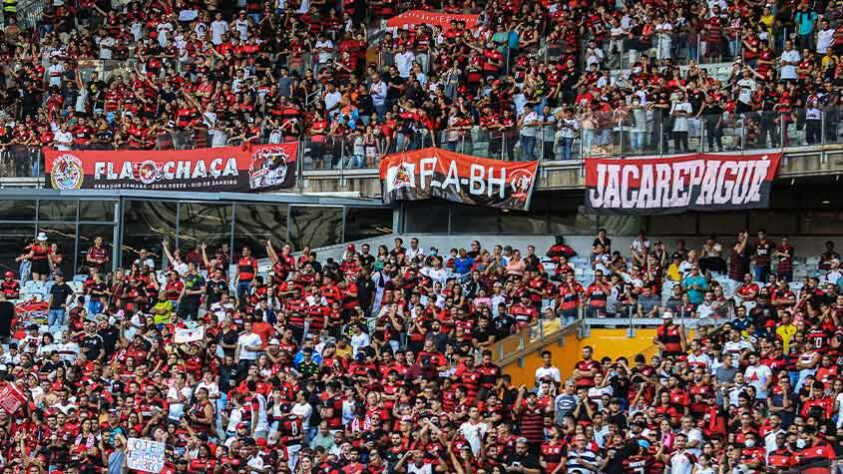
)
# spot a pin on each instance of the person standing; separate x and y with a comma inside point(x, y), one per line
point(763, 257)
point(98, 256)
point(60, 294)
point(784, 254)
point(247, 269)
point(680, 110)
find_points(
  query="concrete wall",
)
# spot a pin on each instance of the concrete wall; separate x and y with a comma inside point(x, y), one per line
point(566, 353)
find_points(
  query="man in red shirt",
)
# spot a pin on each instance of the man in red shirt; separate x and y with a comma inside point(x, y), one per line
point(247, 269)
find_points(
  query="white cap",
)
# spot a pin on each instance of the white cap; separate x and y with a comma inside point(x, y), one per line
point(667, 315)
point(42, 237)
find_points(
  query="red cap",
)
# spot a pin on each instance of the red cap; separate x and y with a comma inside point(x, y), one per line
point(350, 247)
point(10, 274)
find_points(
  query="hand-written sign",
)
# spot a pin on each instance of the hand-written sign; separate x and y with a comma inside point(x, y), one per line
point(145, 455)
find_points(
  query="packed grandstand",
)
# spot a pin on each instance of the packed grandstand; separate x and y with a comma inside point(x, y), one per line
point(278, 360)
point(381, 361)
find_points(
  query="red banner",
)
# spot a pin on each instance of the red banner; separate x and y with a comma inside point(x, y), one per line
point(233, 169)
point(701, 182)
point(11, 398)
point(436, 173)
point(412, 18)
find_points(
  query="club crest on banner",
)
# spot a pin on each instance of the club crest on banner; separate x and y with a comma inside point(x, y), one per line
point(66, 172)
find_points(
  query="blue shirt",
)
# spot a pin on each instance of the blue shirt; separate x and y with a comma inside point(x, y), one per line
point(299, 357)
point(462, 265)
point(806, 22)
point(695, 296)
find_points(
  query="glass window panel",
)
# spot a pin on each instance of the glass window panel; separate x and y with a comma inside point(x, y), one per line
point(146, 224)
point(255, 223)
point(17, 210)
point(474, 220)
point(367, 222)
point(622, 225)
point(523, 223)
point(64, 237)
point(315, 226)
point(428, 218)
point(87, 234)
point(775, 222)
point(822, 222)
point(576, 222)
point(13, 238)
point(57, 210)
point(719, 224)
point(675, 224)
point(100, 211)
point(201, 222)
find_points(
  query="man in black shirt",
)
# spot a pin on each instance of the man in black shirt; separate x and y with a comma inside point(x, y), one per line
point(483, 335)
point(7, 314)
point(365, 290)
point(59, 294)
point(367, 258)
point(503, 323)
point(109, 335)
point(521, 460)
point(92, 344)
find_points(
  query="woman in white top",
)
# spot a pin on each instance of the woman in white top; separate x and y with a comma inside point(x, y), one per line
point(680, 111)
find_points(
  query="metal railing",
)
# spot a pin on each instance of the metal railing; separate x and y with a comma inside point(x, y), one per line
point(626, 132)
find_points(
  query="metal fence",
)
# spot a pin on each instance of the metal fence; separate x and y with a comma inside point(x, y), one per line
point(626, 132)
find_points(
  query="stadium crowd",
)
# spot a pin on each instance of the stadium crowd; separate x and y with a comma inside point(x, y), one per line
point(525, 83)
point(382, 361)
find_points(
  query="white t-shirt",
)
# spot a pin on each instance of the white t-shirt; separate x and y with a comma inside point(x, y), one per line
point(680, 463)
point(745, 89)
point(680, 122)
point(839, 401)
point(759, 377)
point(788, 71)
point(218, 28)
point(359, 341)
point(304, 411)
point(55, 71)
point(825, 38)
point(552, 372)
point(323, 55)
point(250, 339)
point(404, 63)
point(473, 433)
point(63, 140)
point(176, 408)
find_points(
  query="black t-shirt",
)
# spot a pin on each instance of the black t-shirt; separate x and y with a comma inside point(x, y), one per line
point(482, 335)
point(229, 337)
point(527, 460)
point(92, 346)
point(503, 325)
point(109, 337)
point(215, 289)
point(59, 292)
point(7, 313)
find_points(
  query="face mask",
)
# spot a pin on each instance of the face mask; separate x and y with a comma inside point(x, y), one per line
point(750, 443)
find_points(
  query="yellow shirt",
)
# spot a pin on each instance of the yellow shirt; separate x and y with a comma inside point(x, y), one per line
point(346, 353)
point(767, 21)
point(163, 310)
point(786, 332)
point(829, 60)
point(673, 273)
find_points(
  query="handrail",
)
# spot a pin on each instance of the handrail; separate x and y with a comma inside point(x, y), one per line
point(531, 338)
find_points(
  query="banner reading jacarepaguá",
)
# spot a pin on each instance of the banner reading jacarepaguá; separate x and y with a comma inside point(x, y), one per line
point(225, 169)
point(436, 173)
point(670, 185)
